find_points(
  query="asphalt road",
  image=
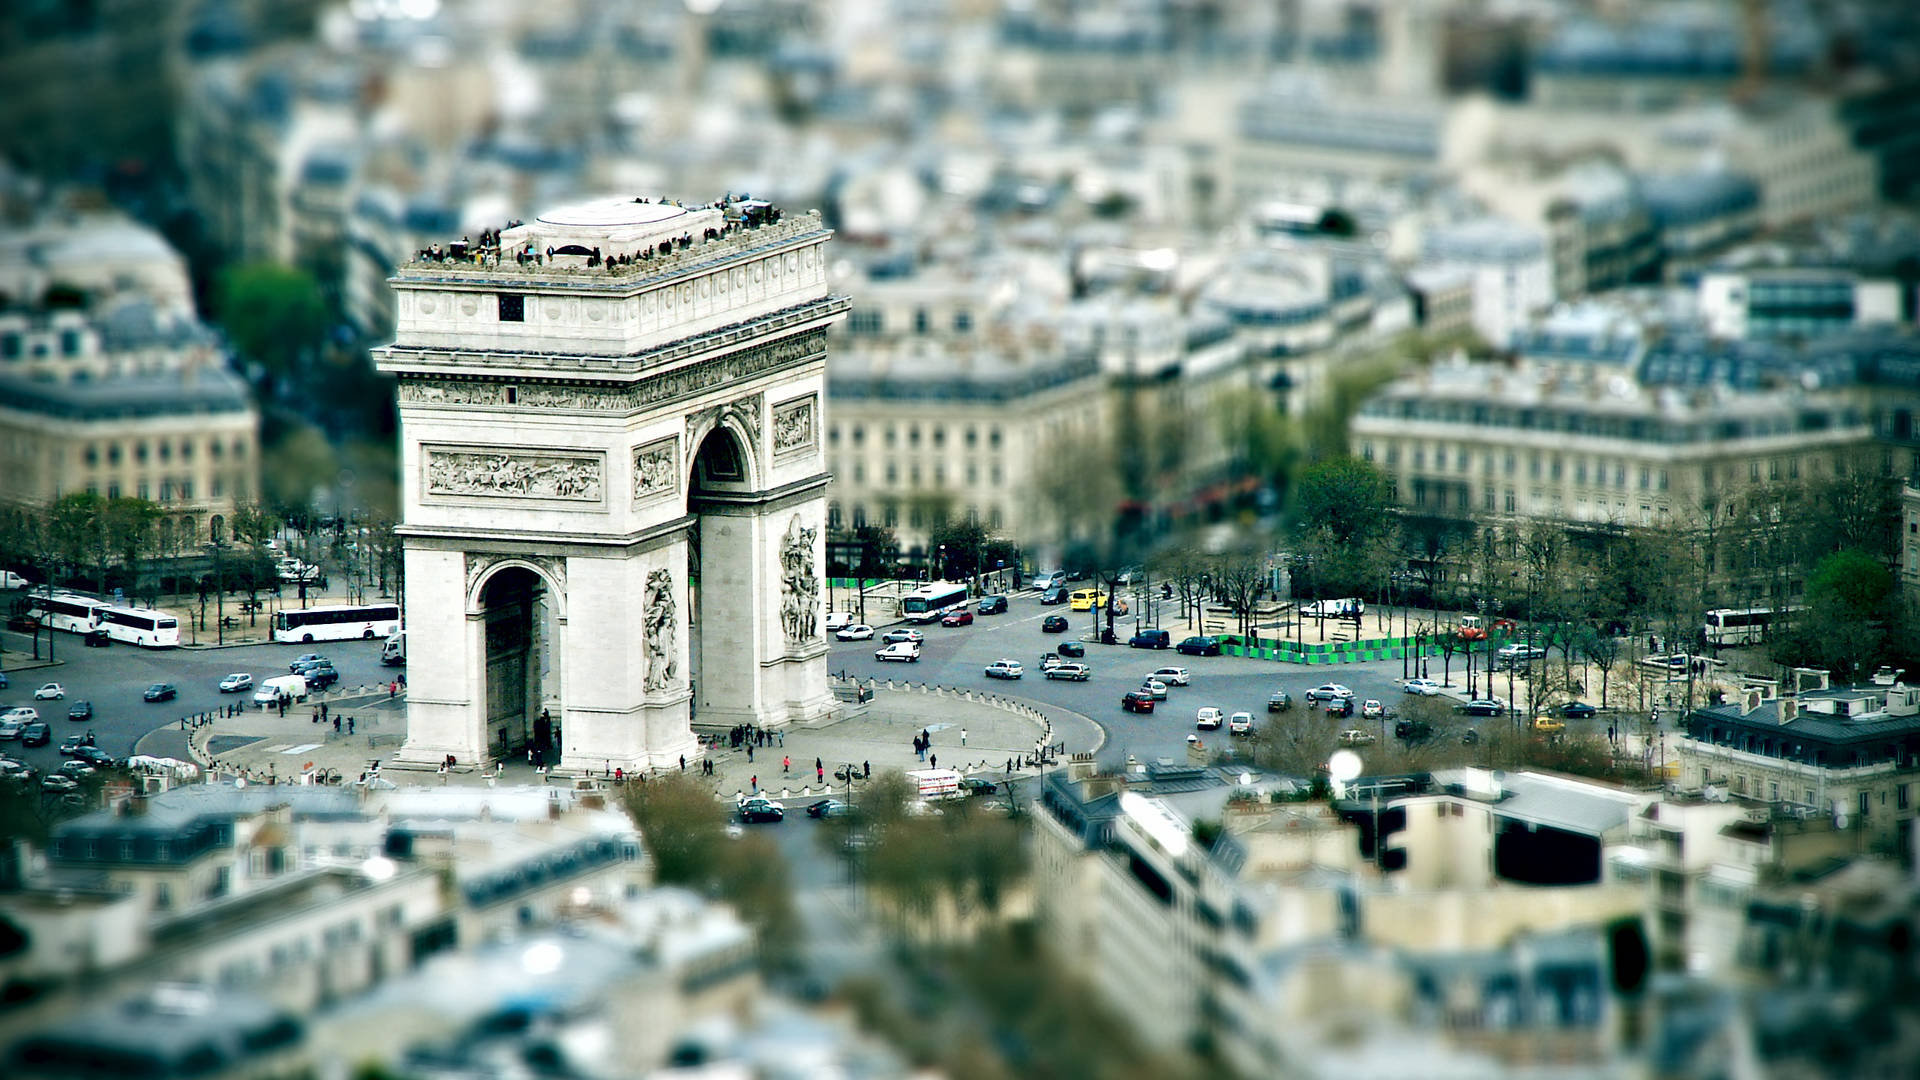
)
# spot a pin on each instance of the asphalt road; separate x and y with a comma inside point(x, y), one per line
point(958, 656)
point(114, 678)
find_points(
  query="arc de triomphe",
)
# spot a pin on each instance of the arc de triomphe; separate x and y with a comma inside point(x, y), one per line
point(613, 485)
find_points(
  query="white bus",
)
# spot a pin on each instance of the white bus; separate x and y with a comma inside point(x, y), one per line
point(394, 653)
point(337, 623)
point(1744, 626)
point(140, 626)
point(929, 602)
point(67, 611)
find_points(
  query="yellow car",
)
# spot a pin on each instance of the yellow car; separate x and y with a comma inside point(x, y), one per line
point(1085, 600)
point(1547, 725)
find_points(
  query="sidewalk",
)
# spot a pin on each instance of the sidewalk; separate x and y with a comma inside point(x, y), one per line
point(268, 748)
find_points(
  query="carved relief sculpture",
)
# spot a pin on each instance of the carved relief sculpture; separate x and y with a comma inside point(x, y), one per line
point(793, 426)
point(663, 665)
point(799, 584)
point(665, 386)
point(654, 470)
point(533, 476)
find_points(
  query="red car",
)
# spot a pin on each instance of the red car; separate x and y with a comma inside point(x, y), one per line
point(1137, 701)
point(963, 617)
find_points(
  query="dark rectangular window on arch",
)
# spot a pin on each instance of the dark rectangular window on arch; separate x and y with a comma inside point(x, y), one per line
point(513, 307)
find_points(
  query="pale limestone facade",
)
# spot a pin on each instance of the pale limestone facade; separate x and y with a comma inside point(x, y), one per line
point(614, 503)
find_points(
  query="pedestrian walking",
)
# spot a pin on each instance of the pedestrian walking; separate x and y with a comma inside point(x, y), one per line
point(934, 761)
point(866, 769)
point(820, 773)
point(392, 689)
point(349, 725)
point(818, 765)
point(782, 736)
point(963, 736)
point(786, 765)
point(336, 725)
point(755, 781)
point(683, 763)
point(749, 753)
point(323, 712)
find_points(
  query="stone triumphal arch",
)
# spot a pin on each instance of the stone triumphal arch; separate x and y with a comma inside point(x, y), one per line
point(613, 481)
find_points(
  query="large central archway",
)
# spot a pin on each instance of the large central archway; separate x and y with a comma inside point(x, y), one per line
point(720, 582)
point(522, 684)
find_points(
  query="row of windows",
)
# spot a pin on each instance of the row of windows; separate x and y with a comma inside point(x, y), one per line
point(12, 347)
point(871, 321)
point(915, 476)
point(1582, 470)
point(172, 490)
point(1604, 425)
point(163, 449)
point(887, 513)
point(936, 434)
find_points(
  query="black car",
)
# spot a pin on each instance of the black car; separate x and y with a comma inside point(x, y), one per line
point(306, 658)
point(36, 734)
point(1413, 730)
point(1279, 702)
point(1073, 649)
point(302, 667)
point(1055, 595)
point(1200, 646)
point(93, 755)
point(97, 639)
point(83, 710)
point(162, 691)
point(1577, 710)
point(1484, 707)
point(23, 624)
point(321, 677)
point(1340, 707)
point(974, 785)
point(1053, 624)
point(991, 605)
point(761, 811)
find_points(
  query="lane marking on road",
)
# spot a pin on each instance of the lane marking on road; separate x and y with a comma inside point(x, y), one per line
point(300, 749)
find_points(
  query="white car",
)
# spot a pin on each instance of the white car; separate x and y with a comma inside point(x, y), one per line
point(1372, 710)
point(1328, 692)
point(21, 714)
point(856, 632)
point(905, 651)
point(1240, 723)
point(1209, 718)
point(53, 691)
point(839, 620)
point(236, 682)
point(1422, 687)
point(1004, 669)
point(1155, 687)
point(1356, 737)
point(1173, 676)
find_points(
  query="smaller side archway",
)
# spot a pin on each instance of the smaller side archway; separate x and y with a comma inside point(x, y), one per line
point(518, 611)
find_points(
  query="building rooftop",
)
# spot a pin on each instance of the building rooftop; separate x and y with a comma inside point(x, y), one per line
point(187, 392)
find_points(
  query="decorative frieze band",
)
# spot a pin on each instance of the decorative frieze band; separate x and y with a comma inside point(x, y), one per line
point(577, 397)
point(545, 475)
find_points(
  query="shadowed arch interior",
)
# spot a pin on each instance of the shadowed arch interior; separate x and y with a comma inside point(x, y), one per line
point(715, 570)
point(521, 675)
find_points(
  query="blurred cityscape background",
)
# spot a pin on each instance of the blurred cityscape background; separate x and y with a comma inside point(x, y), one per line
point(1443, 303)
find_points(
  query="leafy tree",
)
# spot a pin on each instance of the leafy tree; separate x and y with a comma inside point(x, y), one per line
point(1850, 608)
point(295, 466)
point(274, 314)
point(1344, 497)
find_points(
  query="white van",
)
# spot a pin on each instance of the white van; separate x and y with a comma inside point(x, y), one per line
point(291, 687)
point(11, 580)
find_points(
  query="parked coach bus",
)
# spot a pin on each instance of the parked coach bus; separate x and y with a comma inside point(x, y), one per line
point(337, 623)
point(139, 626)
point(1745, 626)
